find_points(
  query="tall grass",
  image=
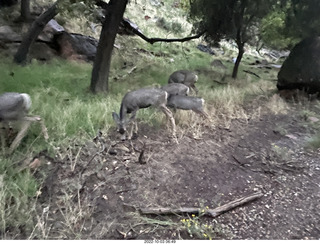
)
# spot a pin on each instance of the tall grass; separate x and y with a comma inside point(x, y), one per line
point(17, 188)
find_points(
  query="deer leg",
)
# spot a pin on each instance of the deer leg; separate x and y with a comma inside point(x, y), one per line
point(3, 141)
point(135, 127)
point(202, 113)
point(195, 88)
point(169, 116)
point(44, 130)
point(133, 130)
point(38, 119)
point(133, 120)
point(22, 133)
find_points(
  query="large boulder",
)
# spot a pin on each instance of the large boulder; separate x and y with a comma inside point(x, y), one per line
point(51, 29)
point(301, 70)
point(41, 51)
point(76, 46)
point(7, 35)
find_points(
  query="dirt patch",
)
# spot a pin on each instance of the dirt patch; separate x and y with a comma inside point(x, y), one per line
point(93, 191)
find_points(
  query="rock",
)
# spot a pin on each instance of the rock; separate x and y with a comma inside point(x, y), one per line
point(8, 35)
point(260, 62)
point(51, 29)
point(156, 3)
point(301, 69)
point(313, 119)
point(205, 49)
point(218, 63)
point(76, 46)
point(42, 51)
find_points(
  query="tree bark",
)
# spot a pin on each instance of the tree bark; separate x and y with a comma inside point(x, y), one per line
point(101, 66)
point(238, 60)
point(37, 26)
point(238, 21)
point(25, 10)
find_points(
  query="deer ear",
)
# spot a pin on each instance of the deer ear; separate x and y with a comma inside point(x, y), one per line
point(115, 117)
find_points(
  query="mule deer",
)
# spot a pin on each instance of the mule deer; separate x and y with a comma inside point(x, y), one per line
point(15, 107)
point(138, 99)
point(176, 89)
point(187, 103)
point(185, 77)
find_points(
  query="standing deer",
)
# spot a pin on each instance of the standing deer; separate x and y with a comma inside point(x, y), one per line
point(138, 99)
point(15, 107)
point(187, 103)
point(185, 77)
point(176, 89)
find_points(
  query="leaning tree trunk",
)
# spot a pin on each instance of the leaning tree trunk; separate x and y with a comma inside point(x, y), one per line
point(101, 66)
point(37, 26)
point(238, 60)
point(240, 44)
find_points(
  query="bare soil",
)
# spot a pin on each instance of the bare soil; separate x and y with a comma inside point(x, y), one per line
point(94, 191)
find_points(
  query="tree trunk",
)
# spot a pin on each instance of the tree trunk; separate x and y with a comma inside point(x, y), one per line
point(37, 26)
point(237, 63)
point(101, 66)
point(25, 10)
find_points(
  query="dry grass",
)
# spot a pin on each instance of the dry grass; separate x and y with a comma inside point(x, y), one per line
point(277, 105)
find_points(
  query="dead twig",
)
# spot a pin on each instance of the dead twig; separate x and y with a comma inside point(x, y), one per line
point(208, 212)
point(252, 73)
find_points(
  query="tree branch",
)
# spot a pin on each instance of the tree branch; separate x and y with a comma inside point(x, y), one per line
point(153, 40)
point(37, 26)
point(130, 28)
point(209, 212)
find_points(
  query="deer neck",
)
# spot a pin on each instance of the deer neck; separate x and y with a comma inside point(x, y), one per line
point(123, 112)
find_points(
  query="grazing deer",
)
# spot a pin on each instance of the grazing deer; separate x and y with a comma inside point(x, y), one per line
point(187, 103)
point(176, 89)
point(185, 77)
point(138, 99)
point(15, 107)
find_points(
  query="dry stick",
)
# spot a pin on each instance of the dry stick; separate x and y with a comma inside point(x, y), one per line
point(209, 212)
point(252, 73)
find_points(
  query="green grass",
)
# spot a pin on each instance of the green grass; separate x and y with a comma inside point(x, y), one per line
point(17, 188)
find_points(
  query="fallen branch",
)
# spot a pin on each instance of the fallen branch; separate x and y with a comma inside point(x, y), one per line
point(208, 212)
point(252, 73)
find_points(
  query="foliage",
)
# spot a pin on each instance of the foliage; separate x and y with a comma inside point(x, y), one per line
point(231, 19)
point(289, 22)
point(169, 26)
point(195, 228)
point(273, 29)
point(79, 9)
point(302, 18)
point(314, 142)
point(224, 19)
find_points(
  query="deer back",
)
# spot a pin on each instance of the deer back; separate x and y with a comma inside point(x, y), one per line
point(183, 76)
point(14, 106)
point(185, 102)
point(176, 89)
